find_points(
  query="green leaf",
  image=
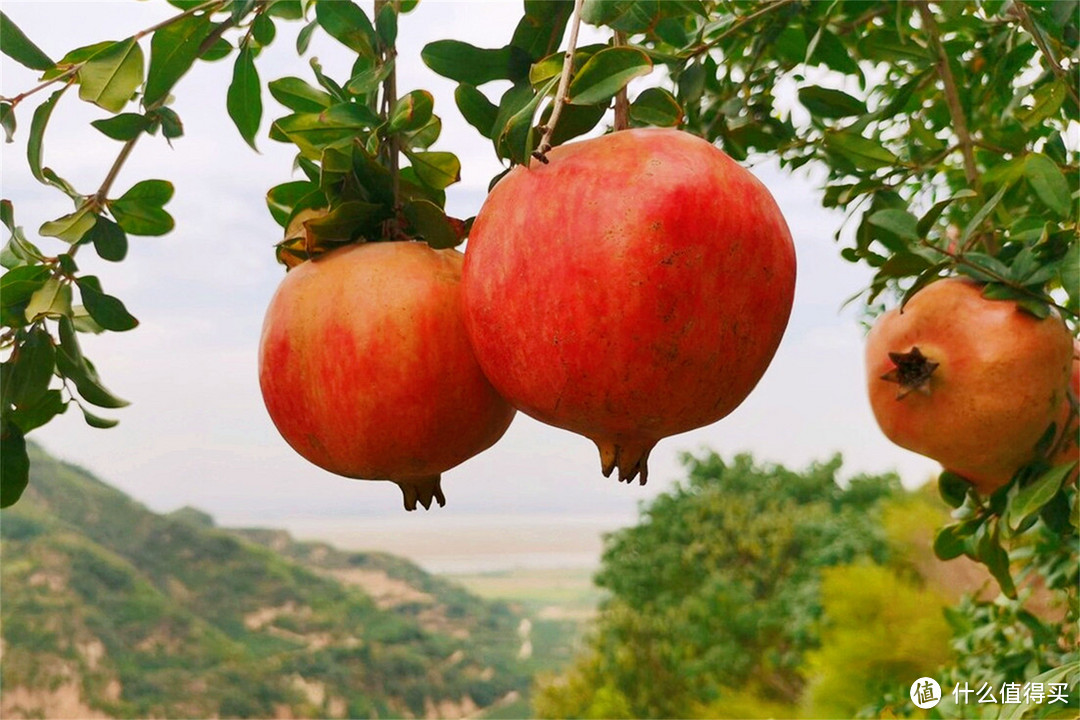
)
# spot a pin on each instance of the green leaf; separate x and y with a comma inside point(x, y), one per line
point(1031, 498)
point(18, 284)
point(829, 103)
point(575, 120)
point(904, 264)
point(109, 239)
point(171, 126)
point(607, 72)
point(7, 121)
point(96, 421)
point(349, 221)
point(37, 133)
point(173, 50)
point(1047, 101)
point(303, 38)
point(299, 96)
point(425, 136)
point(19, 48)
point(899, 222)
point(656, 106)
point(1049, 183)
point(282, 198)
point(435, 169)
point(72, 365)
point(477, 110)
point(34, 360)
point(14, 465)
point(517, 140)
point(927, 221)
point(465, 63)
point(411, 112)
point(70, 227)
point(140, 211)
point(427, 221)
point(551, 66)
point(949, 543)
point(312, 132)
point(45, 408)
point(51, 299)
point(367, 81)
point(244, 97)
point(386, 25)
point(862, 153)
point(996, 558)
point(110, 78)
point(348, 24)
point(218, 51)
point(262, 29)
point(541, 29)
point(953, 488)
point(1070, 271)
point(984, 212)
point(124, 127)
point(107, 311)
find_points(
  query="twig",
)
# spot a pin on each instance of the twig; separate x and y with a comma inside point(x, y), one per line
point(952, 97)
point(393, 144)
point(1020, 10)
point(564, 83)
point(622, 102)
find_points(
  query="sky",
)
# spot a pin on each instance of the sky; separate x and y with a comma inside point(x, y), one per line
point(197, 433)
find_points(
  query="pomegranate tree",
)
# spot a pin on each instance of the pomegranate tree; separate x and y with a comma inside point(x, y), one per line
point(970, 382)
point(366, 371)
point(628, 288)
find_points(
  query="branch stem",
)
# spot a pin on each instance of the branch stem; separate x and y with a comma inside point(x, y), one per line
point(952, 96)
point(737, 26)
point(564, 83)
point(622, 102)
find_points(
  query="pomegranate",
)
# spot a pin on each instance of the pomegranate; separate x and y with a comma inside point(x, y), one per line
point(633, 287)
point(970, 382)
point(366, 371)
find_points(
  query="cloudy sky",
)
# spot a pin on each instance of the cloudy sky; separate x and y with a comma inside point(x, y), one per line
point(196, 432)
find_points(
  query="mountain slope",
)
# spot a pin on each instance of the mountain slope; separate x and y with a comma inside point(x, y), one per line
point(110, 609)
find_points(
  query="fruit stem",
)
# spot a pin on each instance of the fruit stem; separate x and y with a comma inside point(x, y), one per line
point(564, 83)
point(622, 102)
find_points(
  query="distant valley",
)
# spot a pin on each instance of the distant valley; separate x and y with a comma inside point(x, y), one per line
point(111, 610)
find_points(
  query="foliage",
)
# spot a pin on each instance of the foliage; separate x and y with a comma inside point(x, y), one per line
point(882, 631)
point(715, 593)
point(173, 603)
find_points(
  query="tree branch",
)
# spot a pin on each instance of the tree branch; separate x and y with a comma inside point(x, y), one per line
point(564, 83)
point(622, 102)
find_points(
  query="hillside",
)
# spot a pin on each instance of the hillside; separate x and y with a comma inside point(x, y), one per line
point(111, 610)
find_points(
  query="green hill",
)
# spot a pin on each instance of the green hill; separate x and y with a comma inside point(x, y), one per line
point(110, 609)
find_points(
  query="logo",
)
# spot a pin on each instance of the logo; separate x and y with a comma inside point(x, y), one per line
point(925, 693)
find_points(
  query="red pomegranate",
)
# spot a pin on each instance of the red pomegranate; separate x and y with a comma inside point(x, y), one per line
point(634, 287)
point(366, 370)
point(970, 382)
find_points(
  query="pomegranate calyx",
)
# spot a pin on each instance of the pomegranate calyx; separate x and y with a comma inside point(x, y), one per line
point(912, 372)
point(422, 490)
point(631, 458)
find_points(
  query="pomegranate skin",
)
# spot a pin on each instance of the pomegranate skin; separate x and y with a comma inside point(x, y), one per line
point(1001, 380)
point(634, 287)
point(366, 371)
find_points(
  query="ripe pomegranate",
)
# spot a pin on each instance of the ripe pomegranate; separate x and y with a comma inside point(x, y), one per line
point(635, 286)
point(366, 371)
point(970, 382)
